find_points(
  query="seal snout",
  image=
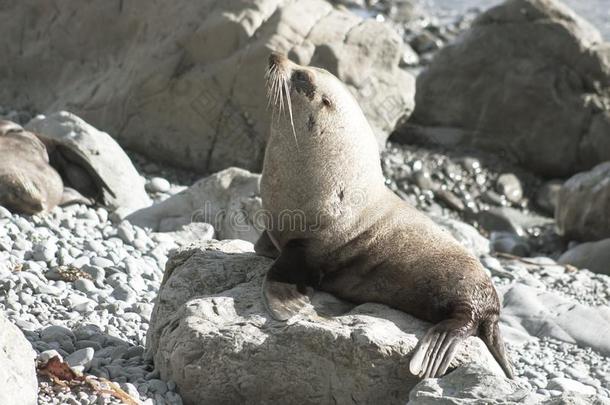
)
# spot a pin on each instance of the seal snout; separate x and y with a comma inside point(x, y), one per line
point(277, 59)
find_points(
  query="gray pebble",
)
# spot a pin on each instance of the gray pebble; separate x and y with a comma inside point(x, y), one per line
point(158, 185)
point(81, 357)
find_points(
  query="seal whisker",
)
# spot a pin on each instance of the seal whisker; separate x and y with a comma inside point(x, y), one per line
point(289, 104)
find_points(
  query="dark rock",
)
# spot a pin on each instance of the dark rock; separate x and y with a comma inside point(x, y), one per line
point(583, 205)
point(530, 80)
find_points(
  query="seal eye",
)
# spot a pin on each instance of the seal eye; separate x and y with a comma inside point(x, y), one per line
point(326, 101)
point(301, 76)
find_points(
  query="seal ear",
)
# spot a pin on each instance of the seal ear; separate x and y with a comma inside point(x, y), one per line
point(285, 291)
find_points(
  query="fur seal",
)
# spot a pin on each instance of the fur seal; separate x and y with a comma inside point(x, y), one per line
point(333, 225)
point(28, 182)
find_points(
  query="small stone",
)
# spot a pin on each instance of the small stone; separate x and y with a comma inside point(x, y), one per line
point(425, 42)
point(101, 262)
point(508, 242)
point(124, 293)
point(86, 286)
point(157, 386)
point(424, 181)
point(4, 213)
point(97, 273)
point(45, 252)
point(81, 358)
point(158, 185)
point(126, 232)
point(567, 385)
point(450, 199)
point(509, 186)
point(48, 355)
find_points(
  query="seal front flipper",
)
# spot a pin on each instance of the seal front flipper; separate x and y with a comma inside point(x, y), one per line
point(265, 246)
point(283, 300)
point(285, 286)
point(434, 352)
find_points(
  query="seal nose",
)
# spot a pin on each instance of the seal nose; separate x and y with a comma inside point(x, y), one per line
point(277, 59)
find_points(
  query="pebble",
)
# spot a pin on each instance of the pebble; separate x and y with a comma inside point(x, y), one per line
point(567, 385)
point(126, 232)
point(510, 187)
point(81, 358)
point(158, 185)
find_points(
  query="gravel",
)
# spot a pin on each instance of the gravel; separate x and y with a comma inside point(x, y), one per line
point(82, 287)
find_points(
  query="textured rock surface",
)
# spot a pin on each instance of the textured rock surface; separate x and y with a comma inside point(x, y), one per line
point(102, 152)
point(228, 200)
point(209, 324)
point(530, 79)
point(159, 77)
point(584, 203)
point(17, 374)
point(469, 385)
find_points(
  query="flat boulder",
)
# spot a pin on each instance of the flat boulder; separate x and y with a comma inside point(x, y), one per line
point(209, 325)
point(163, 76)
point(101, 157)
point(530, 81)
point(228, 200)
point(18, 380)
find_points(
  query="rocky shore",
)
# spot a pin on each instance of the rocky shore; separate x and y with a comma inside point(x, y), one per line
point(495, 123)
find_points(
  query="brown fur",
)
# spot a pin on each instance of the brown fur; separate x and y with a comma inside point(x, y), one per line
point(28, 184)
point(358, 240)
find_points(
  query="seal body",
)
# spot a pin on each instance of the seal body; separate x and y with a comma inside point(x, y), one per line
point(335, 226)
point(28, 184)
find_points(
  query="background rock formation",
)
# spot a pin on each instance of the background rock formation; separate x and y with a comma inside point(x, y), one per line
point(530, 80)
point(182, 82)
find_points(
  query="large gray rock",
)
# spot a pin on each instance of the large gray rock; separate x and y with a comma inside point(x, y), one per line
point(210, 325)
point(530, 80)
point(470, 385)
point(594, 256)
point(104, 155)
point(165, 75)
point(583, 205)
point(18, 382)
point(228, 200)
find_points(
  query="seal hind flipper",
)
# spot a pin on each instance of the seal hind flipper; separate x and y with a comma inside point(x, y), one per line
point(285, 286)
point(434, 352)
point(489, 332)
